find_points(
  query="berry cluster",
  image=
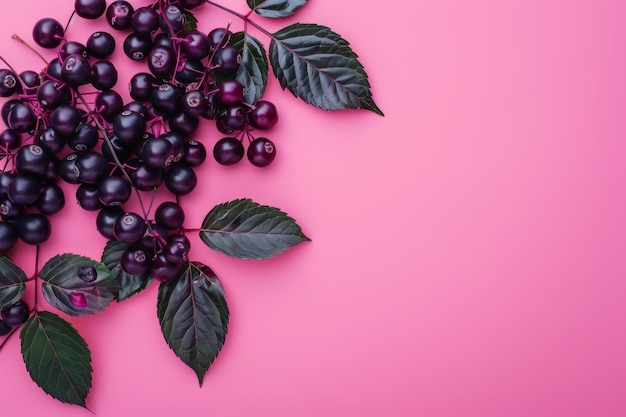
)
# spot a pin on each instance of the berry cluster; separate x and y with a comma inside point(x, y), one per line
point(111, 149)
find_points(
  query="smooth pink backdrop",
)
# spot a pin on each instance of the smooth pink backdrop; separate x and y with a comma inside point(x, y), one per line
point(467, 254)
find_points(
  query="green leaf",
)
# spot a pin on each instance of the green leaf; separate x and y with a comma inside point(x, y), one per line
point(12, 282)
point(57, 357)
point(254, 68)
point(191, 23)
point(247, 230)
point(129, 284)
point(193, 314)
point(275, 8)
point(317, 65)
point(63, 288)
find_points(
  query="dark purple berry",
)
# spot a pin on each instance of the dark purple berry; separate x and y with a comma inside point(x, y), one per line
point(87, 197)
point(103, 75)
point(141, 86)
point(183, 123)
point(145, 21)
point(15, 314)
point(219, 37)
point(113, 191)
point(175, 251)
point(196, 45)
point(66, 169)
point(91, 167)
point(21, 118)
point(72, 48)
point(86, 138)
point(51, 200)
point(109, 104)
point(264, 115)
point(31, 159)
point(49, 140)
point(228, 151)
point(190, 71)
point(66, 120)
point(235, 117)
point(230, 92)
point(106, 219)
point(136, 46)
point(163, 270)
point(34, 229)
point(48, 33)
point(162, 61)
point(8, 83)
point(166, 99)
point(129, 228)
point(178, 142)
point(100, 45)
point(157, 153)
point(90, 9)
point(87, 273)
point(135, 261)
point(76, 70)
point(194, 103)
point(146, 178)
point(9, 140)
point(195, 153)
point(8, 237)
point(172, 19)
point(5, 329)
point(30, 80)
point(190, 4)
point(129, 127)
point(119, 14)
point(261, 152)
point(169, 215)
point(180, 180)
point(24, 190)
point(51, 94)
point(10, 210)
point(53, 70)
point(227, 60)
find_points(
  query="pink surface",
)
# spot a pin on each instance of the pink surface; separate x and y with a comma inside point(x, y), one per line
point(468, 249)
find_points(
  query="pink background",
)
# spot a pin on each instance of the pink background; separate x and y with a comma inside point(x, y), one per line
point(468, 249)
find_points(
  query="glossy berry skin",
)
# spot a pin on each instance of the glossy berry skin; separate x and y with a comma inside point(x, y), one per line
point(129, 228)
point(191, 71)
point(264, 115)
point(180, 180)
point(145, 21)
point(9, 140)
point(157, 153)
point(8, 236)
point(34, 228)
point(135, 261)
point(87, 197)
point(196, 45)
point(31, 159)
point(16, 314)
point(48, 33)
point(162, 270)
point(51, 200)
point(119, 14)
point(141, 86)
point(109, 104)
point(228, 151)
point(10, 210)
point(5, 329)
point(146, 178)
point(100, 45)
point(53, 70)
point(171, 19)
point(87, 273)
point(230, 92)
point(103, 75)
point(90, 9)
point(169, 215)
point(30, 80)
point(227, 60)
point(184, 124)
point(91, 167)
point(86, 138)
point(194, 103)
point(66, 120)
point(72, 47)
point(219, 37)
point(166, 99)
point(190, 4)
point(5, 179)
point(66, 169)
point(129, 127)
point(76, 70)
point(178, 142)
point(195, 153)
point(113, 191)
point(136, 46)
point(21, 118)
point(162, 61)
point(235, 117)
point(51, 94)
point(261, 152)
point(106, 218)
point(8, 83)
point(49, 140)
point(24, 190)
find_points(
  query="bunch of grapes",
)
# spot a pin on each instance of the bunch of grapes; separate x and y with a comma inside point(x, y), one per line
point(111, 149)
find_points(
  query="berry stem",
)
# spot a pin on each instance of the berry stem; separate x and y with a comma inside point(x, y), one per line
point(36, 277)
point(245, 18)
point(23, 42)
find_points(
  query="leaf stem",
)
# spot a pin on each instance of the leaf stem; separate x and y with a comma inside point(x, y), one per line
point(36, 276)
point(245, 18)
